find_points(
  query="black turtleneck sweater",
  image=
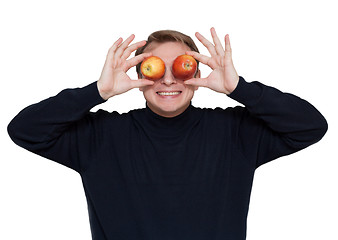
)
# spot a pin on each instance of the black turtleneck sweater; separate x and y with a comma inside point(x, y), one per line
point(148, 177)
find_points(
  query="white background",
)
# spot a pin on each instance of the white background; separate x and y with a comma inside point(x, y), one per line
point(47, 46)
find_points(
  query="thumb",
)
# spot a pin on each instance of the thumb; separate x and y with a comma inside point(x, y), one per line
point(198, 82)
point(141, 83)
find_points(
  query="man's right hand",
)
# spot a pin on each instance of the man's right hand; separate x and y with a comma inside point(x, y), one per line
point(113, 79)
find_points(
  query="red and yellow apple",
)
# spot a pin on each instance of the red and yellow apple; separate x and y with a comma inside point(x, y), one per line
point(184, 67)
point(153, 68)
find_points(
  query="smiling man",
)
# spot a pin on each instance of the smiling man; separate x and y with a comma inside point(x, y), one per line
point(168, 96)
point(169, 171)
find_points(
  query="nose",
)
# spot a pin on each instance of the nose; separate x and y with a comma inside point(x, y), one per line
point(168, 78)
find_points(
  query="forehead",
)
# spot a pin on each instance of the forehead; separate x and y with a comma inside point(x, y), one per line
point(168, 51)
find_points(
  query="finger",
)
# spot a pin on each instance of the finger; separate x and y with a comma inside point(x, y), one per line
point(202, 58)
point(141, 83)
point(217, 42)
point(132, 48)
point(206, 43)
point(198, 82)
point(113, 48)
point(123, 46)
point(228, 51)
point(136, 60)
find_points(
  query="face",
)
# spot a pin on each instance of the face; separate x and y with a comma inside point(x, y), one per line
point(168, 96)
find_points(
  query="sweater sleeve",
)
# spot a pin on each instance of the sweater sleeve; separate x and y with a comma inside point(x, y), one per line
point(61, 127)
point(273, 123)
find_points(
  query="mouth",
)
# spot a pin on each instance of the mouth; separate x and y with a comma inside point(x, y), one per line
point(169, 93)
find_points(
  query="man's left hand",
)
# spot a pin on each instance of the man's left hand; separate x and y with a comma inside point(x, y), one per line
point(224, 77)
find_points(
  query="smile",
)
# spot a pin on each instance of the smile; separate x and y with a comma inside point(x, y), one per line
point(169, 93)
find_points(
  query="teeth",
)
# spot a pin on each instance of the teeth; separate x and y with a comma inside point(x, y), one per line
point(168, 93)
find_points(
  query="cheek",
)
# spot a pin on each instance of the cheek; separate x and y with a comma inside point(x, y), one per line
point(192, 89)
point(189, 93)
point(148, 93)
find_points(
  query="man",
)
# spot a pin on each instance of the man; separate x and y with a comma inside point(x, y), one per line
point(169, 171)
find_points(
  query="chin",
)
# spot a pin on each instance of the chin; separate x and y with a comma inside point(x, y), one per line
point(168, 109)
point(172, 111)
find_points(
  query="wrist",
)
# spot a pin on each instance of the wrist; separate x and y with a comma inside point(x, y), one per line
point(232, 86)
point(247, 93)
point(103, 93)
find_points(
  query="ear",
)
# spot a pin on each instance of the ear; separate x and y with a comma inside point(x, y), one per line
point(140, 77)
point(197, 75)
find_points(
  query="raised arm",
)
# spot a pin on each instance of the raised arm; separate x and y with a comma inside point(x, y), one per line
point(273, 123)
point(62, 128)
point(57, 127)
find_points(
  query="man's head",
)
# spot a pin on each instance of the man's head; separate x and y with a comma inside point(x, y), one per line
point(167, 45)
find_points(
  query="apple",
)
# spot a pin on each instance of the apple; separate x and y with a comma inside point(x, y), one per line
point(184, 67)
point(153, 68)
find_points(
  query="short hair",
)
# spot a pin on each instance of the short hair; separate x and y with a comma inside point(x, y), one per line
point(163, 36)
